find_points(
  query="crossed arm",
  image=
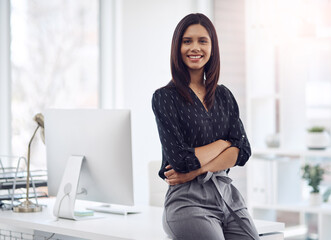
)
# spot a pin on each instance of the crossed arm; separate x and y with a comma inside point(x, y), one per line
point(213, 157)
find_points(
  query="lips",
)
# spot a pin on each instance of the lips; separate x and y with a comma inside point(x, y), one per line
point(195, 56)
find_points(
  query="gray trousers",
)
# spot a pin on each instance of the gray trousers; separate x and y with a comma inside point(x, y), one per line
point(205, 209)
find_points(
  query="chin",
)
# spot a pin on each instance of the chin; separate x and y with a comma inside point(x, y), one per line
point(196, 67)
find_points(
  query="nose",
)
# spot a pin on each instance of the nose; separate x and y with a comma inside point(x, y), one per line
point(195, 47)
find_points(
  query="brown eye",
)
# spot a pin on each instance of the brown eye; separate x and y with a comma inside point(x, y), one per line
point(203, 40)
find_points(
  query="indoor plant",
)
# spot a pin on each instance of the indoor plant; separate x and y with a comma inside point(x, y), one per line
point(317, 138)
point(314, 175)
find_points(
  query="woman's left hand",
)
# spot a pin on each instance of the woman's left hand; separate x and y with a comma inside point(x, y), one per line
point(174, 178)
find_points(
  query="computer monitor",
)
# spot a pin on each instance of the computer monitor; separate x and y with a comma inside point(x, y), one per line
point(104, 138)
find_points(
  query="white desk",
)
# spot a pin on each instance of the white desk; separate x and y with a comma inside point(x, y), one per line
point(146, 225)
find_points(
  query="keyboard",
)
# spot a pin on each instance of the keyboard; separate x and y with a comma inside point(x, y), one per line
point(115, 209)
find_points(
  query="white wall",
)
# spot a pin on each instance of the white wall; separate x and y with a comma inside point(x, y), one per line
point(230, 26)
point(147, 29)
point(5, 92)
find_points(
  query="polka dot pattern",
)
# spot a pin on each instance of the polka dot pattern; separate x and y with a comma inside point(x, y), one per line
point(184, 126)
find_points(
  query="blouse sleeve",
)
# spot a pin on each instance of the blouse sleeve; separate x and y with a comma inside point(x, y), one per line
point(237, 135)
point(175, 151)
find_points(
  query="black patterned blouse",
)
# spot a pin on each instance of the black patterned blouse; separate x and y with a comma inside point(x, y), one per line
point(184, 126)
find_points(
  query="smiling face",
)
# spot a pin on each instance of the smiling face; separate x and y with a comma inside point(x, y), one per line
point(196, 47)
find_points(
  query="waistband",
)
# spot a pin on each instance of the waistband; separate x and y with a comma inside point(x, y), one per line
point(223, 176)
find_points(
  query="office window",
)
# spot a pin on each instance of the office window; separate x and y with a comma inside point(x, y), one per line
point(54, 59)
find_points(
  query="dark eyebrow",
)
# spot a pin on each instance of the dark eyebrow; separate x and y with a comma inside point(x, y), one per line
point(199, 38)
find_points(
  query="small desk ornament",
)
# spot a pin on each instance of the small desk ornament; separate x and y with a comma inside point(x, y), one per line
point(27, 205)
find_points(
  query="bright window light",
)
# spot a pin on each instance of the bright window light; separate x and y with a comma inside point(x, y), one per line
point(54, 59)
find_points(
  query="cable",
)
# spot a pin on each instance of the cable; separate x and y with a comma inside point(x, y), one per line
point(50, 236)
point(82, 191)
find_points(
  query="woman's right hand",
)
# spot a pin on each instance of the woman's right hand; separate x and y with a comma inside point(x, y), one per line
point(174, 178)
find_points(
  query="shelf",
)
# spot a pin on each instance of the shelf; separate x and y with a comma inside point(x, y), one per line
point(324, 208)
point(11, 175)
point(18, 196)
point(22, 184)
point(292, 152)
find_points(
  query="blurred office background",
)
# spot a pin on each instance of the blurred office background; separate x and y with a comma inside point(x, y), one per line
point(275, 58)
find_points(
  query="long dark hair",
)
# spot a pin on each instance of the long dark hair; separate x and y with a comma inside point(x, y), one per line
point(179, 71)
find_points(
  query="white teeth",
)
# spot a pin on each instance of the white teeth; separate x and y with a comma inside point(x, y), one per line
point(195, 57)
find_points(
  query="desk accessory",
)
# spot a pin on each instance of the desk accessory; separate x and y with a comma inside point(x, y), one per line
point(27, 205)
point(83, 213)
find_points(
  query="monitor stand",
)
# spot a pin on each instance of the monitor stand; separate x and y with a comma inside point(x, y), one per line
point(66, 196)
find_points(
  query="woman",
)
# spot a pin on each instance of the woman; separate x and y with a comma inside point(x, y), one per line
point(202, 137)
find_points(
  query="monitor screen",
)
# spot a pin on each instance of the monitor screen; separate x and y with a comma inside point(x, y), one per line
point(104, 138)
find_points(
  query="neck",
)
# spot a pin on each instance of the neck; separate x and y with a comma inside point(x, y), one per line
point(196, 77)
